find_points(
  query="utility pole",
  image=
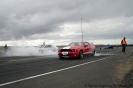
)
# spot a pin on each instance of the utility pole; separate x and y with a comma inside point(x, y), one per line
point(81, 30)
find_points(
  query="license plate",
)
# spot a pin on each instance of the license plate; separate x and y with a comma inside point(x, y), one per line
point(66, 56)
point(64, 53)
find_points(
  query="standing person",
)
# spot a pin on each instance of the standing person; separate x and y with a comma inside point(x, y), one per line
point(5, 48)
point(123, 43)
point(43, 44)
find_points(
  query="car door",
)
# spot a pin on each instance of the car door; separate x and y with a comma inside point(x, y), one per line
point(87, 48)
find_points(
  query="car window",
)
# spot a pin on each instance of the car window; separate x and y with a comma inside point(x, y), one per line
point(76, 44)
point(87, 44)
point(91, 43)
point(71, 44)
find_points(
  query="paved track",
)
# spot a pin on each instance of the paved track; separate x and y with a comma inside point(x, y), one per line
point(50, 72)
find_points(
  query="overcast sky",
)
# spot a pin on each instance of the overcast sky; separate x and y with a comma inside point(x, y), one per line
point(31, 22)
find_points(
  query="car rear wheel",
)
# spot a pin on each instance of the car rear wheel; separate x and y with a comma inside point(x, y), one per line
point(81, 55)
point(93, 54)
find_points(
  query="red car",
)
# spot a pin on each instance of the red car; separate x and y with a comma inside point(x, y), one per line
point(76, 49)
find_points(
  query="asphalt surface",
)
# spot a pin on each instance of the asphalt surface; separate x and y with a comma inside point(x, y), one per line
point(105, 70)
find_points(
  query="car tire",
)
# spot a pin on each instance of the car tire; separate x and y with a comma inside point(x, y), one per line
point(81, 55)
point(93, 54)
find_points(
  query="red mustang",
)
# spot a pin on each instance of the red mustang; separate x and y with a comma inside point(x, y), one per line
point(77, 49)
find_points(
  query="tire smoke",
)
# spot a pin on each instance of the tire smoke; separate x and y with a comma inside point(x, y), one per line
point(30, 51)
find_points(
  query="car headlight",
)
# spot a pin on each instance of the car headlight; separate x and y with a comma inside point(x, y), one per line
point(75, 50)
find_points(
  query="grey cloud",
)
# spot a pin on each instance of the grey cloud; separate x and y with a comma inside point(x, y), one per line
point(33, 17)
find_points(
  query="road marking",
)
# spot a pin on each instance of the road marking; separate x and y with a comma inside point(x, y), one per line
point(51, 72)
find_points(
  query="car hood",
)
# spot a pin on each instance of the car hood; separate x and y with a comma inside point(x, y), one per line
point(72, 47)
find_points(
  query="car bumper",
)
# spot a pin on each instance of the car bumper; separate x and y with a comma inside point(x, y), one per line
point(68, 55)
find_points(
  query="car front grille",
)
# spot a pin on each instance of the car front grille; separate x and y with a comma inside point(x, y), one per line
point(66, 55)
point(66, 50)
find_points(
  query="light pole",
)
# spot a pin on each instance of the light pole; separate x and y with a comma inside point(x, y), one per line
point(81, 30)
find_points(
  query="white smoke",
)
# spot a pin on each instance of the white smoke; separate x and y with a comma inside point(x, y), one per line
point(31, 51)
point(104, 54)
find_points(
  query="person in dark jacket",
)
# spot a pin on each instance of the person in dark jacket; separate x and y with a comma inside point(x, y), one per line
point(6, 48)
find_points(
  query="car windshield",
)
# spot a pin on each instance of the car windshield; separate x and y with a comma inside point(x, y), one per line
point(76, 44)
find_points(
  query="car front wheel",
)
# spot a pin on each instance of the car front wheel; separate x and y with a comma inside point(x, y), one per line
point(81, 55)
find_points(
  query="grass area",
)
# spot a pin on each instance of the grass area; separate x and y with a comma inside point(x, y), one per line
point(128, 80)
